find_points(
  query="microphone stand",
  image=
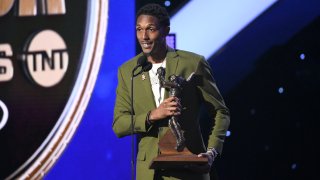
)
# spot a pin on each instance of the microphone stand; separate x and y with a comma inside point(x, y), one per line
point(144, 68)
point(132, 129)
point(132, 125)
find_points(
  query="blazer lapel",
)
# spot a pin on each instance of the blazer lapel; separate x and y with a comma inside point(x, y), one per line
point(145, 81)
point(143, 91)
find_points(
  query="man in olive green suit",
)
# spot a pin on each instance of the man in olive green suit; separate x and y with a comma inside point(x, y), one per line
point(152, 106)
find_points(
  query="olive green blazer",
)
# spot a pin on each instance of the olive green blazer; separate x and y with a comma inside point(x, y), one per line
point(200, 90)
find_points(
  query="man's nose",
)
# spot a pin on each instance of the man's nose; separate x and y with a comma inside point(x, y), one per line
point(145, 34)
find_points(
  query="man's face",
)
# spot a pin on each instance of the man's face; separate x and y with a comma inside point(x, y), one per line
point(151, 35)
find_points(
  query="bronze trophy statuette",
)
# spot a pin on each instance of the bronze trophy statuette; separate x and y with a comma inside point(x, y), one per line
point(173, 152)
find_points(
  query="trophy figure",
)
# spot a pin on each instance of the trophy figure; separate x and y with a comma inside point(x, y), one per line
point(175, 85)
point(173, 150)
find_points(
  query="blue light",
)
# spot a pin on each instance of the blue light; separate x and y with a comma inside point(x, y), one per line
point(252, 111)
point(167, 3)
point(281, 90)
point(228, 133)
point(109, 156)
point(302, 56)
point(294, 166)
point(171, 40)
point(104, 89)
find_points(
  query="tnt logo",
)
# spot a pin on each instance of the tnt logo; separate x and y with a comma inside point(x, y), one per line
point(46, 58)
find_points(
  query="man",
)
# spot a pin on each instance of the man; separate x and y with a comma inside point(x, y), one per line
point(153, 107)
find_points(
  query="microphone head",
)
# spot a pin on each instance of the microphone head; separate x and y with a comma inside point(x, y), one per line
point(147, 67)
point(141, 61)
point(144, 64)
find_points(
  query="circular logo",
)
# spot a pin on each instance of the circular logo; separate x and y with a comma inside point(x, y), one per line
point(47, 58)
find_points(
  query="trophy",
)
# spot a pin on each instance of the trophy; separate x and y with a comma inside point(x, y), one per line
point(173, 151)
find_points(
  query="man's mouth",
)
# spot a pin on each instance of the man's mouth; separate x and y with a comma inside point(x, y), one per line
point(146, 45)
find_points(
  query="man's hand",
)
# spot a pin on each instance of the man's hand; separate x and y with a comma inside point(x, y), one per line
point(206, 167)
point(169, 107)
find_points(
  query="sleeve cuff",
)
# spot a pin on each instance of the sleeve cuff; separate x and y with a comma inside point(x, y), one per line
point(213, 152)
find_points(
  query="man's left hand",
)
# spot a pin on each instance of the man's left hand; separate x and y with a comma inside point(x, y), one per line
point(203, 168)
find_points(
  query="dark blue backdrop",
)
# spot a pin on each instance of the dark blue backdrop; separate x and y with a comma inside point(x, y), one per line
point(94, 150)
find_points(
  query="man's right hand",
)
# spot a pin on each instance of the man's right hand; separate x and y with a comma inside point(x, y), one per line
point(169, 107)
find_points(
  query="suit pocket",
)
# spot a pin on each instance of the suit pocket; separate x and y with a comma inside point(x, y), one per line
point(141, 156)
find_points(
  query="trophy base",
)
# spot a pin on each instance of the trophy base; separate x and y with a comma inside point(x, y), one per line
point(177, 161)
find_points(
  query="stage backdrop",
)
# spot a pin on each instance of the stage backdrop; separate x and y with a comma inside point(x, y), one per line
point(95, 151)
point(266, 69)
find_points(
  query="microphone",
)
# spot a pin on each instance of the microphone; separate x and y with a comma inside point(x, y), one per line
point(144, 64)
point(141, 61)
point(147, 67)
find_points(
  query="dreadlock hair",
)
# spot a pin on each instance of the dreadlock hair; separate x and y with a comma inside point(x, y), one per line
point(157, 11)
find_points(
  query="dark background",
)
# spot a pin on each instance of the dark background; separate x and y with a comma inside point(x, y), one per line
point(269, 75)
